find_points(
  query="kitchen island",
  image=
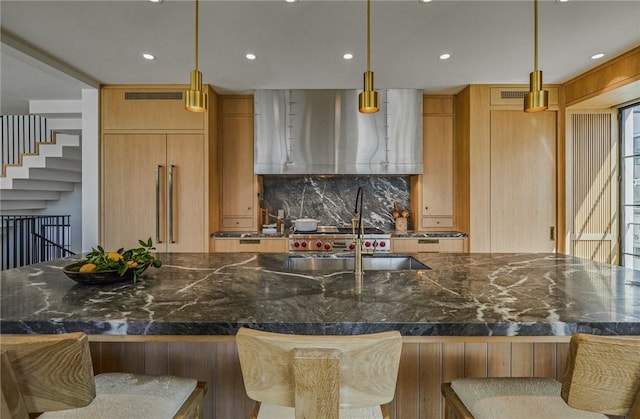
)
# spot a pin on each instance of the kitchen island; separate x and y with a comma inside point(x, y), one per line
point(469, 315)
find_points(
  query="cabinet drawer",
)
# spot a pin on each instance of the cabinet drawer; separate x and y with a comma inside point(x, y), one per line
point(419, 245)
point(238, 223)
point(258, 245)
point(445, 222)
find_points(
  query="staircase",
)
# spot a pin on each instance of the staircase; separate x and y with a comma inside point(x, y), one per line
point(42, 175)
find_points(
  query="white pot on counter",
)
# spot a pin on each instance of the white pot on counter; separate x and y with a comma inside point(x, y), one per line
point(305, 224)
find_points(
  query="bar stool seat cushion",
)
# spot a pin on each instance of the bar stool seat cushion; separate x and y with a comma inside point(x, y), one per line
point(123, 395)
point(516, 398)
point(271, 411)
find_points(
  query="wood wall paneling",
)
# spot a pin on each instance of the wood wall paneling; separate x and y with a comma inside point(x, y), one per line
point(610, 76)
point(593, 185)
point(425, 364)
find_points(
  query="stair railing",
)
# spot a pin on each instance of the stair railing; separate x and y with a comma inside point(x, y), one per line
point(20, 135)
point(27, 239)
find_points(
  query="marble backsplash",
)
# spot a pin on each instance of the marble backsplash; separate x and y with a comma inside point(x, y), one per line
point(331, 200)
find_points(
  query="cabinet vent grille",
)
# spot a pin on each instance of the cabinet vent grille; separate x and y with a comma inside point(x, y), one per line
point(153, 96)
point(510, 94)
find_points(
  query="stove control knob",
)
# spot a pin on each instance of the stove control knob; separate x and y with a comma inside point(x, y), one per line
point(367, 244)
point(304, 244)
point(318, 244)
point(375, 243)
point(327, 246)
point(296, 244)
point(352, 246)
point(383, 244)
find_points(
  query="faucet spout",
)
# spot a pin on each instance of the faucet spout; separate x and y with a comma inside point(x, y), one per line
point(358, 232)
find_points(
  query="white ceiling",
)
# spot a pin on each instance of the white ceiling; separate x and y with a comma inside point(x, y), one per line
point(300, 45)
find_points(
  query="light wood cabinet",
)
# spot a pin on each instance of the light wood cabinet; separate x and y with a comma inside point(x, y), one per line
point(432, 192)
point(145, 107)
point(239, 200)
point(506, 172)
point(428, 244)
point(155, 179)
point(256, 245)
point(523, 176)
point(153, 186)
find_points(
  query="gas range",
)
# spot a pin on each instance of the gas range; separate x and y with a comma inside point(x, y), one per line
point(338, 239)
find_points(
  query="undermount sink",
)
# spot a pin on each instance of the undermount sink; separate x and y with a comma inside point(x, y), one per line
point(345, 263)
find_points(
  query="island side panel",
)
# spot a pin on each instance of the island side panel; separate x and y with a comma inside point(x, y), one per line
point(425, 364)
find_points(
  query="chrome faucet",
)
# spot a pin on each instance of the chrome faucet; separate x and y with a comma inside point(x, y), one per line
point(358, 232)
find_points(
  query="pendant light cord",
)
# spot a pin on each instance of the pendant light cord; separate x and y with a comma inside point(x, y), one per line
point(368, 35)
point(535, 35)
point(196, 67)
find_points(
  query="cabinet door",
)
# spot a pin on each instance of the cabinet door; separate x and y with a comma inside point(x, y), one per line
point(185, 193)
point(238, 180)
point(437, 180)
point(129, 163)
point(523, 181)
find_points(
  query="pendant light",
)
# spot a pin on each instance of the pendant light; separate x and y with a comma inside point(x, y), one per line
point(536, 99)
point(368, 100)
point(195, 97)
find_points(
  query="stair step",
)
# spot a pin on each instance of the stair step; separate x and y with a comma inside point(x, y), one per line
point(23, 205)
point(42, 173)
point(48, 108)
point(63, 164)
point(64, 124)
point(36, 185)
point(72, 153)
point(13, 195)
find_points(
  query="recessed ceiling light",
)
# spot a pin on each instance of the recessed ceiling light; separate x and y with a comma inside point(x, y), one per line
point(424, 1)
point(251, 56)
point(148, 56)
point(347, 56)
point(156, 1)
point(445, 56)
point(562, 1)
point(596, 56)
point(290, 1)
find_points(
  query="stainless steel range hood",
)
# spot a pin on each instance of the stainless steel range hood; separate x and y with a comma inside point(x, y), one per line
point(321, 132)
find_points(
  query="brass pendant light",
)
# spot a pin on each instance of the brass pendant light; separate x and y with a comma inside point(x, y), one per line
point(536, 99)
point(369, 100)
point(195, 97)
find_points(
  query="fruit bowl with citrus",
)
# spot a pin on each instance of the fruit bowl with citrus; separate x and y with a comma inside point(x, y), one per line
point(100, 266)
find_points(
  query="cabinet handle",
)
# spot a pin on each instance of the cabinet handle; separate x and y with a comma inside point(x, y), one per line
point(158, 167)
point(249, 241)
point(428, 241)
point(552, 233)
point(171, 204)
point(427, 207)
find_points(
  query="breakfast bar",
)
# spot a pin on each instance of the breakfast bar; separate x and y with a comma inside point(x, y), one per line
point(467, 315)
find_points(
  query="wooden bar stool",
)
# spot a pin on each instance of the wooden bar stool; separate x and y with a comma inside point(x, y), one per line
point(302, 376)
point(602, 377)
point(53, 375)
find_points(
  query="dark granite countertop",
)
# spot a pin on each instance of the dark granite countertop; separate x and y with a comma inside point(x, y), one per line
point(208, 293)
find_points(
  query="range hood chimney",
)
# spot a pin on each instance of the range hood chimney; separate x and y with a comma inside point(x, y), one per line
point(321, 132)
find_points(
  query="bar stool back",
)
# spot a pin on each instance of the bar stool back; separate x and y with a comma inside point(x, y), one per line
point(307, 376)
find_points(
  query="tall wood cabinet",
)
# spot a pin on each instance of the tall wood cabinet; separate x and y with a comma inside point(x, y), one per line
point(506, 170)
point(154, 169)
point(239, 198)
point(432, 192)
